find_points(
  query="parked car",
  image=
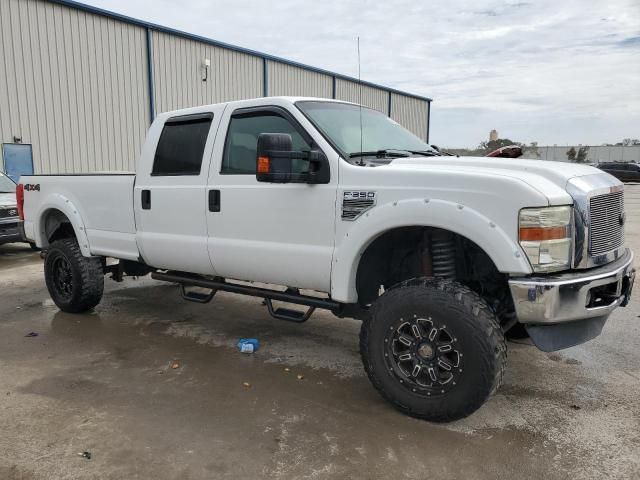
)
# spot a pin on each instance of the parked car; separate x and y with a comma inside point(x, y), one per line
point(625, 171)
point(508, 151)
point(439, 256)
point(10, 222)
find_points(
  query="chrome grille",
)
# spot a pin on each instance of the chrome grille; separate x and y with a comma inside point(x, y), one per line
point(606, 231)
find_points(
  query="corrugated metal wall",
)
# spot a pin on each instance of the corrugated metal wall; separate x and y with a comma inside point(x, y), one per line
point(289, 80)
point(371, 97)
point(412, 113)
point(178, 73)
point(73, 85)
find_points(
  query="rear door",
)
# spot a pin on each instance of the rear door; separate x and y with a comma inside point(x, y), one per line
point(170, 194)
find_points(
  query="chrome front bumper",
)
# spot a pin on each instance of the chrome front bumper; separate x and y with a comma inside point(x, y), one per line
point(567, 297)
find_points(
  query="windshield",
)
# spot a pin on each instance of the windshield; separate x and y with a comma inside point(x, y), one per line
point(6, 184)
point(381, 136)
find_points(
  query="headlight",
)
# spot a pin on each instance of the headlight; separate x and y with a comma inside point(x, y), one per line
point(545, 236)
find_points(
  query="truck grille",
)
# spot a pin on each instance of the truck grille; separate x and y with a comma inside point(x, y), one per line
point(8, 212)
point(606, 232)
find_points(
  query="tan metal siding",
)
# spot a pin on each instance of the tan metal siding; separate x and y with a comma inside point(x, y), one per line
point(371, 97)
point(178, 73)
point(289, 80)
point(73, 85)
point(411, 113)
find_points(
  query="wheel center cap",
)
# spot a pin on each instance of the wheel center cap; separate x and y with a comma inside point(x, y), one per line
point(425, 350)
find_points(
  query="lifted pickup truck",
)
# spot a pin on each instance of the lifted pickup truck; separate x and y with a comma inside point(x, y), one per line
point(439, 256)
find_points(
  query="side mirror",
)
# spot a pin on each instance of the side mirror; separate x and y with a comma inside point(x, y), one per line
point(274, 161)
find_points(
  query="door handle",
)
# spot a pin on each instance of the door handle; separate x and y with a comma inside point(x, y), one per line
point(214, 200)
point(146, 199)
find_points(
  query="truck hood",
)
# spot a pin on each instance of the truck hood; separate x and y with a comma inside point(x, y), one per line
point(8, 200)
point(549, 178)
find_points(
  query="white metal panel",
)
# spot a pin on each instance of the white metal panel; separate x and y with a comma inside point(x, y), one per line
point(100, 208)
point(364, 94)
point(289, 80)
point(179, 73)
point(72, 84)
point(411, 113)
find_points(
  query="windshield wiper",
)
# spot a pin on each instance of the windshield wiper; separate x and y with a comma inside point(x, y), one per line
point(426, 153)
point(380, 153)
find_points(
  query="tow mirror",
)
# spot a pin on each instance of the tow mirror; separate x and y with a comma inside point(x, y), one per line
point(275, 161)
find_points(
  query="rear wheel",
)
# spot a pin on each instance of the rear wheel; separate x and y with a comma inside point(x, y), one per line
point(75, 282)
point(433, 348)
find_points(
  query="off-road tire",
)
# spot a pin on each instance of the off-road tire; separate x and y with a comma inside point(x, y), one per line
point(82, 286)
point(471, 322)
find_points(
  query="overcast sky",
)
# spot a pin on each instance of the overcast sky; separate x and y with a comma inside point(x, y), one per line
point(551, 71)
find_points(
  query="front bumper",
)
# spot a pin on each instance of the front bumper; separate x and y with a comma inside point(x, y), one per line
point(568, 297)
point(11, 231)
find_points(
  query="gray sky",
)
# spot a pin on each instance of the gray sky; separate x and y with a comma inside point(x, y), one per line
point(551, 71)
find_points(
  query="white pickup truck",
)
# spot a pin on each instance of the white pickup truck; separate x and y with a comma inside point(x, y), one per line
point(440, 256)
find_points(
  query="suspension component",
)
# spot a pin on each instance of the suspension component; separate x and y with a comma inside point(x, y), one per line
point(443, 254)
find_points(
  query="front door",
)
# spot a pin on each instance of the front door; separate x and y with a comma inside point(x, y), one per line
point(280, 233)
point(170, 196)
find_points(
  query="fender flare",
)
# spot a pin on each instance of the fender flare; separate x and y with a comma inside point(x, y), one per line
point(506, 254)
point(57, 201)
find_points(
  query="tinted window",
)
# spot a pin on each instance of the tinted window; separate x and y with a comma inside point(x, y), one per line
point(181, 145)
point(240, 149)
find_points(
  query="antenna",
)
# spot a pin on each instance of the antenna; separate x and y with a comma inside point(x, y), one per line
point(360, 99)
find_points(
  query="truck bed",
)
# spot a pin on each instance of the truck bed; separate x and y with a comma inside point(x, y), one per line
point(103, 202)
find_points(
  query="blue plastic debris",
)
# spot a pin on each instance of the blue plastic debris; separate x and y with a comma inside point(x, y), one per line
point(248, 345)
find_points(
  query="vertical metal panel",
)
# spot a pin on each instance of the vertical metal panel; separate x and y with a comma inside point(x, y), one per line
point(293, 81)
point(179, 72)
point(73, 85)
point(411, 113)
point(371, 97)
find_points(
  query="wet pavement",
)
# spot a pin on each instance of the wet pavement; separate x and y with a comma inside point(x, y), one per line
point(154, 387)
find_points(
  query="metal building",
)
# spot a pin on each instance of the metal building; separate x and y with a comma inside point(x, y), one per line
point(79, 86)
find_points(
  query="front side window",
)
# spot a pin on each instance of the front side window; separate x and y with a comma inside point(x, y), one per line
point(353, 129)
point(181, 145)
point(240, 150)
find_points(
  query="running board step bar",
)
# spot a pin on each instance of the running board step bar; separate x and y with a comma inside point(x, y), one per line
point(219, 284)
point(288, 314)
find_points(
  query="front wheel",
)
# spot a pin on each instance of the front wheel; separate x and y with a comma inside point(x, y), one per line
point(433, 348)
point(75, 282)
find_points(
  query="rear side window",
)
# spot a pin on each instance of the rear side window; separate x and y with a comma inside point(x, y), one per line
point(242, 141)
point(181, 145)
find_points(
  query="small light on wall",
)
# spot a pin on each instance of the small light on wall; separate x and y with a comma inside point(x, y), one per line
point(205, 65)
point(17, 139)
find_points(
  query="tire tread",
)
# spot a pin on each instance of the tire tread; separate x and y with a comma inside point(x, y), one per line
point(477, 310)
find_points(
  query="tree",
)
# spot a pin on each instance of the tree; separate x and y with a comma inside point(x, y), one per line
point(581, 157)
point(571, 154)
point(533, 149)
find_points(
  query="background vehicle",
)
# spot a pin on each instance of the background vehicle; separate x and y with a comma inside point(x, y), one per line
point(439, 256)
point(10, 223)
point(625, 171)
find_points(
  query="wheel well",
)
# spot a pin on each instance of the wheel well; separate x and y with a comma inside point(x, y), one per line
point(408, 252)
point(56, 225)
